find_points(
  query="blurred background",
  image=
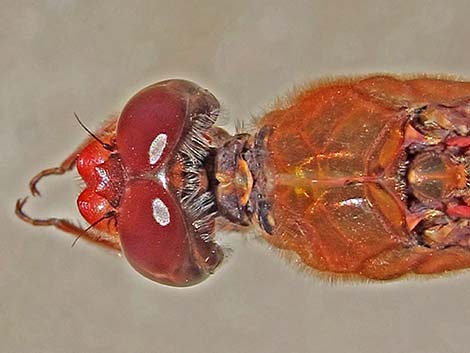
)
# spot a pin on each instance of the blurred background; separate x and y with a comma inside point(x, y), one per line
point(64, 56)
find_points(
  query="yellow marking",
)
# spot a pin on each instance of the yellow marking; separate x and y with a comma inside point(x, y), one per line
point(299, 172)
point(244, 181)
point(333, 155)
point(223, 179)
point(300, 191)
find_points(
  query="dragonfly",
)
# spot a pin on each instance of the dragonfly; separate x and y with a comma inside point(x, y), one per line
point(361, 178)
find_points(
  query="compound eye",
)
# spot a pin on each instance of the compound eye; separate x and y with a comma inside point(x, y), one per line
point(154, 236)
point(154, 120)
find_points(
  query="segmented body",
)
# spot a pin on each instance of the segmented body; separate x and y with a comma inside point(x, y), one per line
point(341, 164)
point(362, 177)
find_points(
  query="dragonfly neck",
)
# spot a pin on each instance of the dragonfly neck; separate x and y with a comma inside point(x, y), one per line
point(241, 183)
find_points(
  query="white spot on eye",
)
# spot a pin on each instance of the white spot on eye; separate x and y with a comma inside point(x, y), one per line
point(160, 212)
point(156, 148)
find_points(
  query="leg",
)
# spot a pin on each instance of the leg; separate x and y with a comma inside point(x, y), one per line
point(104, 239)
point(107, 129)
point(106, 133)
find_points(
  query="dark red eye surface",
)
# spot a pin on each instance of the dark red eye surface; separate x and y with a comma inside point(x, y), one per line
point(149, 128)
point(153, 121)
point(154, 236)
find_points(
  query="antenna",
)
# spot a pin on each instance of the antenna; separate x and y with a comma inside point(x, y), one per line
point(109, 214)
point(106, 146)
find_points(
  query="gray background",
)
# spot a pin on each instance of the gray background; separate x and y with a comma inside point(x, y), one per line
point(58, 57)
